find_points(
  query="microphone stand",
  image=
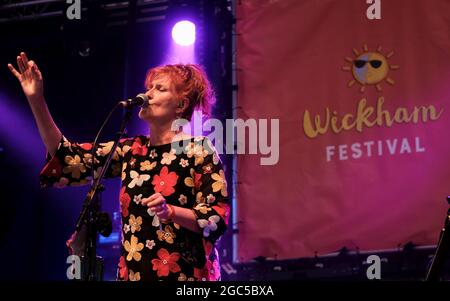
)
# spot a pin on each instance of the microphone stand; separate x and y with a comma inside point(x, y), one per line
point(91, 218)
point(435, 270)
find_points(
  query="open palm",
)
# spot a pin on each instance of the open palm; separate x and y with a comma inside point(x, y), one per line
point(29, 76)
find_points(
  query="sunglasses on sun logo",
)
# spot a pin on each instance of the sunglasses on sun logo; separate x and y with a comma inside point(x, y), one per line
point(374, 63)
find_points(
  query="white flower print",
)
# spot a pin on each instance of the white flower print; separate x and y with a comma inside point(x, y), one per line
point(168, 157)
point(182, 199)
point(150, 244)
point(137, 199)
point(209, 225)
point(155, 222)
point(153, 154)
point(210, 198)
point(126, 228)
point(184, 163)
point(137, 179)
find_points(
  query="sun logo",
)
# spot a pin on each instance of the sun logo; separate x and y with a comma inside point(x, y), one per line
point(370, 68)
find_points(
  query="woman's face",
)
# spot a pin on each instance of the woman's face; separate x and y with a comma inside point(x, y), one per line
point(163, 104)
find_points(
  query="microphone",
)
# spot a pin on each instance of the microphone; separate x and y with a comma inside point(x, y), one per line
point(140, 100)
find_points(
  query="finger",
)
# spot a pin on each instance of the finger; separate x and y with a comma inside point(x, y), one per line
point(33, 69)
point(154, 197)
point(20, 64)
point(24, 58)
point(158, 201)
point(37, 72)
point(14, 71)
point(150, 198)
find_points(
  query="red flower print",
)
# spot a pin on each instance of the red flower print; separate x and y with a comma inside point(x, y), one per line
point(123, 270)
point(223, 210)
point(165, 181)
point(197, 182)
point(124, 202)
point(138, 149)
point(52, 169)
point(207, 246)
point(166, 263)
point(86, 146)
point(210, 272)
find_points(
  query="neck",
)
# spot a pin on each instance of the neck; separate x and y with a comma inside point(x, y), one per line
point(163, 134)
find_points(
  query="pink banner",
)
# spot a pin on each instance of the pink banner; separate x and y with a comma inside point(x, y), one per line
point(361, 92)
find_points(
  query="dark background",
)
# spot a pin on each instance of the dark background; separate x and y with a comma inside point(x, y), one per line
point(80, 90)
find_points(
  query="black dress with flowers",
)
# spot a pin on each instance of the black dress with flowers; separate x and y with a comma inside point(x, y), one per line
point(191, 179)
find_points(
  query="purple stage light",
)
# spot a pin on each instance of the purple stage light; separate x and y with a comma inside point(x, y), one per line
point(183, 33)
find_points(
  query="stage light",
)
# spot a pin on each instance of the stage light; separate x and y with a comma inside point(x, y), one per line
point(183, 33)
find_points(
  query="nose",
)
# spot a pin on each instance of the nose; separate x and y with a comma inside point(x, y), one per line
point(149, 93)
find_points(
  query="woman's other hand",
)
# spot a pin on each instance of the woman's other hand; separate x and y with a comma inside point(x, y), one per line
point(29, 77)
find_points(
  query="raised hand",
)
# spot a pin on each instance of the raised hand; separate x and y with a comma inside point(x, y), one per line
point(29, 77)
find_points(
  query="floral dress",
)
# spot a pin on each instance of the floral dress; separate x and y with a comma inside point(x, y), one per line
point(193, 178)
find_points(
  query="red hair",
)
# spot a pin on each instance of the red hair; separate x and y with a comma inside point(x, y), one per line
point(191, 84)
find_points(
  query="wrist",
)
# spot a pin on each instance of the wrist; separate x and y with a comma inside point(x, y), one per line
point(36, 99)
point(171, 215)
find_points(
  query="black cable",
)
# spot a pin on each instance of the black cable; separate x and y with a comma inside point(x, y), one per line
point(96, 139)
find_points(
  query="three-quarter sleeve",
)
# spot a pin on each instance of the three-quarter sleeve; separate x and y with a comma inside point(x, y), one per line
point(72, 163)
point(212, 202)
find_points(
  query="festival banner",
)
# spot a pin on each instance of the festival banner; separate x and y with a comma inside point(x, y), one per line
point(361, 91)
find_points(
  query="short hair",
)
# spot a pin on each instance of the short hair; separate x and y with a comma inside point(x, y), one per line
point(191, 84)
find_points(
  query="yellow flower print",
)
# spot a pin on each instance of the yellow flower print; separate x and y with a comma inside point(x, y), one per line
point(199, 198)
point(220, 183)
point(166, 235)
point(168, 157)
point(88, 159)
point(146, 165)
point(189, 181)
point(197, 151)
point(124, 166)
point(193, 181)
point(183, 277)
point(135, 223)
point(104, 148)
point(134, 276)
point(203, 208)
point(124, 150)
point(133, 248)
point(74, 166)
